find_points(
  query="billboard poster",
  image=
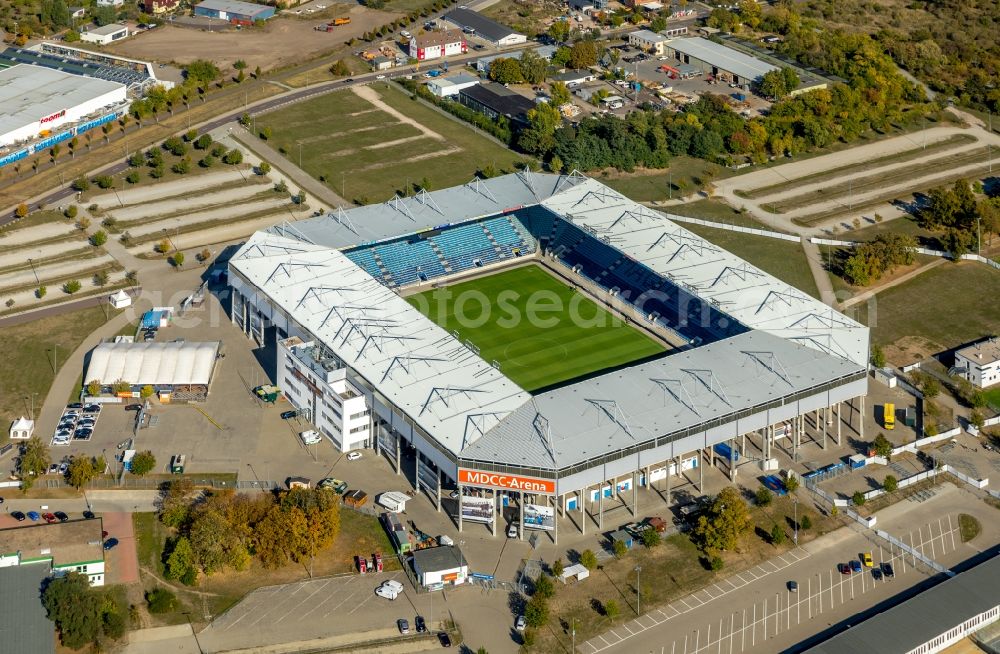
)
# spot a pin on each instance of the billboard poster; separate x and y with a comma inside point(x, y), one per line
point(477, 509)
point(505, 481)
point(539, 517)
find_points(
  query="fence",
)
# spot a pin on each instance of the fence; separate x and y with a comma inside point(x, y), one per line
point(931, 563)
point(832, 241)
point(734, 228)
point(975, 257)
point(920, 442)
point(919, 250)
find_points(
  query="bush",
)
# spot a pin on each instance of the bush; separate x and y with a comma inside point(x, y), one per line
point(71, 286)
point(544, 587)
point(890, 484)
point(264, 168)
point(611, 609)
point(99, 238)
point(858, 498)
point(71, 211)
point(777, 535)
point(104, 181)
point(619, 549)
point(114, 625)
point(791, 484)
point(133, 177)
point(557, 568)
point(40, 292)
point(536, 613)
point(650, 538)
point(764, 496)
point(805, 523)
point(177, 260)
point(588, 559)
point(81, 184)
point(716, 563)
point(161, 600)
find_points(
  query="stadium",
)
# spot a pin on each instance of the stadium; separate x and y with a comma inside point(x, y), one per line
point(540, 338)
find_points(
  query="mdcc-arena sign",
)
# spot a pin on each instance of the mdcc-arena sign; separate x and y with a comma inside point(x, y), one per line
point(506, 482)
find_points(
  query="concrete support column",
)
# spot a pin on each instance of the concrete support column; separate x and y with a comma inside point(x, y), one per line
point(668, 481)
point(496, 512)
point(600, 511)
point(416, 472)
point(439, 491)
point(768, 431)
point(645, 475)
point(743, 445)
point(711, 455)
point(732, 460)
point(399, 457)
point(583, 509)
point(826, 416)
point(461, 498)
point(555, 519)
point(838, 423)
point(520, 520)
point(701, 473)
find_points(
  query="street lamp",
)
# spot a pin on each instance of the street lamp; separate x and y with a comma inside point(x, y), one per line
point(638, 592)
point(795, 534)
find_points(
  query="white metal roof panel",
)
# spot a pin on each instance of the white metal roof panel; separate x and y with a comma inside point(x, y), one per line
point(712, 53)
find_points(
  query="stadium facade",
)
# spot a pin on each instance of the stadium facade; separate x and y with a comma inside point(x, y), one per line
point(752, 356)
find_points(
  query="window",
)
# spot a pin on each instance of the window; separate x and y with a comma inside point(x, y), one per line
point(357, 430)
point(362, 414)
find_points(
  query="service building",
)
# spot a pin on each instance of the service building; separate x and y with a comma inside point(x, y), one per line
point(712, 58)
point(436, 566)
point(437, 44)
point(105, 35)
point(980, 363)
point(234, 11)
point(444, 87)
point(179, 370)
point(648, 40)
point(76, 546)
point(35, 100)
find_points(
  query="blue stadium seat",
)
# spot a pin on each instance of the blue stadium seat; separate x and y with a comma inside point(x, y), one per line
point(410, 262)
point(366, 259)
point(465, 245)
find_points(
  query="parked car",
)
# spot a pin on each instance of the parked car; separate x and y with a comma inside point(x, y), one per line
point(866, 559)
point(511, 531)
point(85, 432)
point(33, 516)
point(793, 586)
point(74, 405)
point(287, 415)
point(385, 592)
point(877, 574)
point(49, 518)
point(61, 516)
point(444, 639)
point(855, 565)
point(380, 77)
point(888, 571)
point(17, 515)
point(92, 408)
point(520, 623)
point(110, 543)
point(843, 568)
point(89, 515)
point(420, 625)
point(148, 336)
point(353, 456)
point(54, 468)
point(63, 467)
point(133, 407)
point(404, 626)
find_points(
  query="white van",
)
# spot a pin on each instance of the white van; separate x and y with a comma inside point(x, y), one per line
point(386, 592)
point(310, 437)
point(394, 585)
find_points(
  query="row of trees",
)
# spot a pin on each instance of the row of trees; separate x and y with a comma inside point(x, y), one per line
point(226, 531)
point(962, 215)
point(36, 458)
point(869, 261)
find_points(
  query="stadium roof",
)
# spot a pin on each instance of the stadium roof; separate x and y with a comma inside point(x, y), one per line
point(28, 93)
point(675, 396)
point(745, 66)
point(802, 346)
point(159, 364)
point(746, 293)
point(490, 29)
point(444, 387)
point(919, 620)
point(401, 216)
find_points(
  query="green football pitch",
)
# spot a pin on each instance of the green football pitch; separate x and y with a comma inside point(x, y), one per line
point(539, 330)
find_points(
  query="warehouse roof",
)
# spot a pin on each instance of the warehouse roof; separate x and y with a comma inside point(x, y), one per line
point(485, 27)
point(29, 93)
point(438, 37)
point(234, 7)
point(438, 559)
point(107, 30)
point(23, 621)
point(158, 364)
point(64, 543)
point(649, 36)
point(733, 61)
point(919, 620)
point(501, 100)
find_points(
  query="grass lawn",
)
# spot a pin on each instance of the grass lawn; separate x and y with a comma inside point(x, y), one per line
point(944, 305)
point(685, 174)
point(341, 137)
point(541, 331)
point(907, 225)
point(968, 526)
point(783, 259)
point(716, 211)
point(28, 363)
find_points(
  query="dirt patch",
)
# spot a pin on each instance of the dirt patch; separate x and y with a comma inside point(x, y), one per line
point(419, 157)
point(389, 144)
point(372, 96)
point(281, 42)
point(910, 349)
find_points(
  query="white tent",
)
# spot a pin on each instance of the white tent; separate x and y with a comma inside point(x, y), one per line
point(120, 300)
point(22, 428)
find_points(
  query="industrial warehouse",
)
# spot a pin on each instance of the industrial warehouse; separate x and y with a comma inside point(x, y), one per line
point(37, 101)
point(743, 355)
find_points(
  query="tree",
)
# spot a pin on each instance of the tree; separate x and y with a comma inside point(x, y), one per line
point(74, 607)
point(539, 136)
point(177, 260)
point(143, 463)
point(104, 181)
point(611, 609)
point(233, 157)
point(559, 31)
point(40, 292)
point(858, 499)
point(71, 211)
point(207, 161)
point(176, 507)
point(182, 167)
point(175, 146)
point(772, 85)
point(763, 496)
point(533, 67)
point(163, 246)
point(101, 278)
point(560, 94)
point(882, 446)
point(777, 535)
point(181, 559)
point(81, 184)
point(203, 142)
point(791, 483)
point(750, 13)
point(536, 613)
point(878, 356)
point(103, 15)
point(977, 419)
point(650, 538)
point(930, 387)
point(146, 391)
point(506, 70)
point(72, 286)
point(83, 223)
point(805, 523)
point(619, 549)
point(132, 177)
point(544, 587)
point(93, 388)
point(160, 600)
point(716, 563)
point(263, 168)
point(557, 568)
point(556, 164)
point(588, 559)
point(340, 68)
point(727, 518)
point(99, 238)
point(204, 255)
point(583, 54)
point(21, 211)
point(890, 484)
point(200, 71)
point(265, 133)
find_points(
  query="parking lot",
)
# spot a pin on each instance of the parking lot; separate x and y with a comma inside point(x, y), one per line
point(77, 423)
